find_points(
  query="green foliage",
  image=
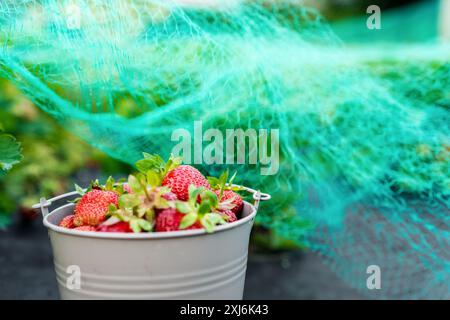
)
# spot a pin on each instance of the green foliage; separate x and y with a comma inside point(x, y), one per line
point(52, 157)
point(147, 196)
point(10, 151)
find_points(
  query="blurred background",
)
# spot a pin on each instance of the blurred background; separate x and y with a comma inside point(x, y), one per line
point(52, 160)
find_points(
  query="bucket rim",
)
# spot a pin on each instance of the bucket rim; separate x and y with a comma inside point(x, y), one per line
point(150, 235)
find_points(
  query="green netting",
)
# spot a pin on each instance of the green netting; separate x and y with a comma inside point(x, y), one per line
point(364, 129)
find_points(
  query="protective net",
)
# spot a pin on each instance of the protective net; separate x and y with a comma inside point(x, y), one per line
point(364, 146)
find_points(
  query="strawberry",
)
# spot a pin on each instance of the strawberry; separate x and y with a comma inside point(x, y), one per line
point(121, 226)
point(180, 178)
point(232, 198)
point(169, 220)
point(93, 206)
point(85, 228)
point(229, 216)
point(67, 222)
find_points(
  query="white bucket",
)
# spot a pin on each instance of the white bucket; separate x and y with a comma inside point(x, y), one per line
point(190, 264)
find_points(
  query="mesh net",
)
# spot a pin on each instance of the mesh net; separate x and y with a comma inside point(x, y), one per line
point(364, 128)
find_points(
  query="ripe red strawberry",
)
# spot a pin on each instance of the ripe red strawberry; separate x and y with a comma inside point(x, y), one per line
point(85, 228)
point(233, 198)
point(180, 178)
point(93, 206)
point(121, 226)
point(229, 216)
point(67, 222)
point(169, 220)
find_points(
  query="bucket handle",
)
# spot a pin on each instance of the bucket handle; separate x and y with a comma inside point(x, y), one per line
point(258, 196)
point(44, 204)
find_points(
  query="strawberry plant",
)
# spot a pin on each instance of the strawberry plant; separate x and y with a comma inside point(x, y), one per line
point(10, 151)
point(162, 196)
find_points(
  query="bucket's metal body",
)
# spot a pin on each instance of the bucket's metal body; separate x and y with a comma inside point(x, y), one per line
point(188, 264)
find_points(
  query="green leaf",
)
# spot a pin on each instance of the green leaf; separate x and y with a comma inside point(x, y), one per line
point(10, 151)
point(141, 211)
point(216, 218)
point(144, 165)
point(112, 208)
point(134, 184)
point(188, 220)
point(214, 182)
point(222, 182)
point(119, 189)
point(194, 192)
point(145, 225)
point(150, 215)
point(183, 207)
point(210, 220)
point(109, 185)
point(135, 226)
point(150, 162)
point(129, 200)
point(153, 178)
point(212, 198)
point(172, 163)
point(191, 190)
point(205, 207)
point(207, 224)
point(236, 188)
point(230, 182)
point(79, 190)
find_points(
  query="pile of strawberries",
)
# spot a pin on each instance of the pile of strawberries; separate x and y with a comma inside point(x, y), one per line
point(162, 196)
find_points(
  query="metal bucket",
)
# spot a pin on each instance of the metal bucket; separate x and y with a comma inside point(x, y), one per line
point(189, 264)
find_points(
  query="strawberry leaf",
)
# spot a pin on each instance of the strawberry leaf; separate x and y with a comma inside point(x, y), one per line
point(111, 208)
point(10, 151)
point(211, 197)
point(144, 224)
point(144, 165)
point(214, 182)
point(230, 182)
point(134, 184)
point(79, 190)
point(135, 226)
point(150, 215)
point(171, 164)
point(129, 200)
point(119, 189)
point(183, 207)
point(141, 212)
point(207, 224)
point(188, 220)
point(153, 178)
point(216, 218)
point(109, 185)
point(205, 207)
point(194, 192)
